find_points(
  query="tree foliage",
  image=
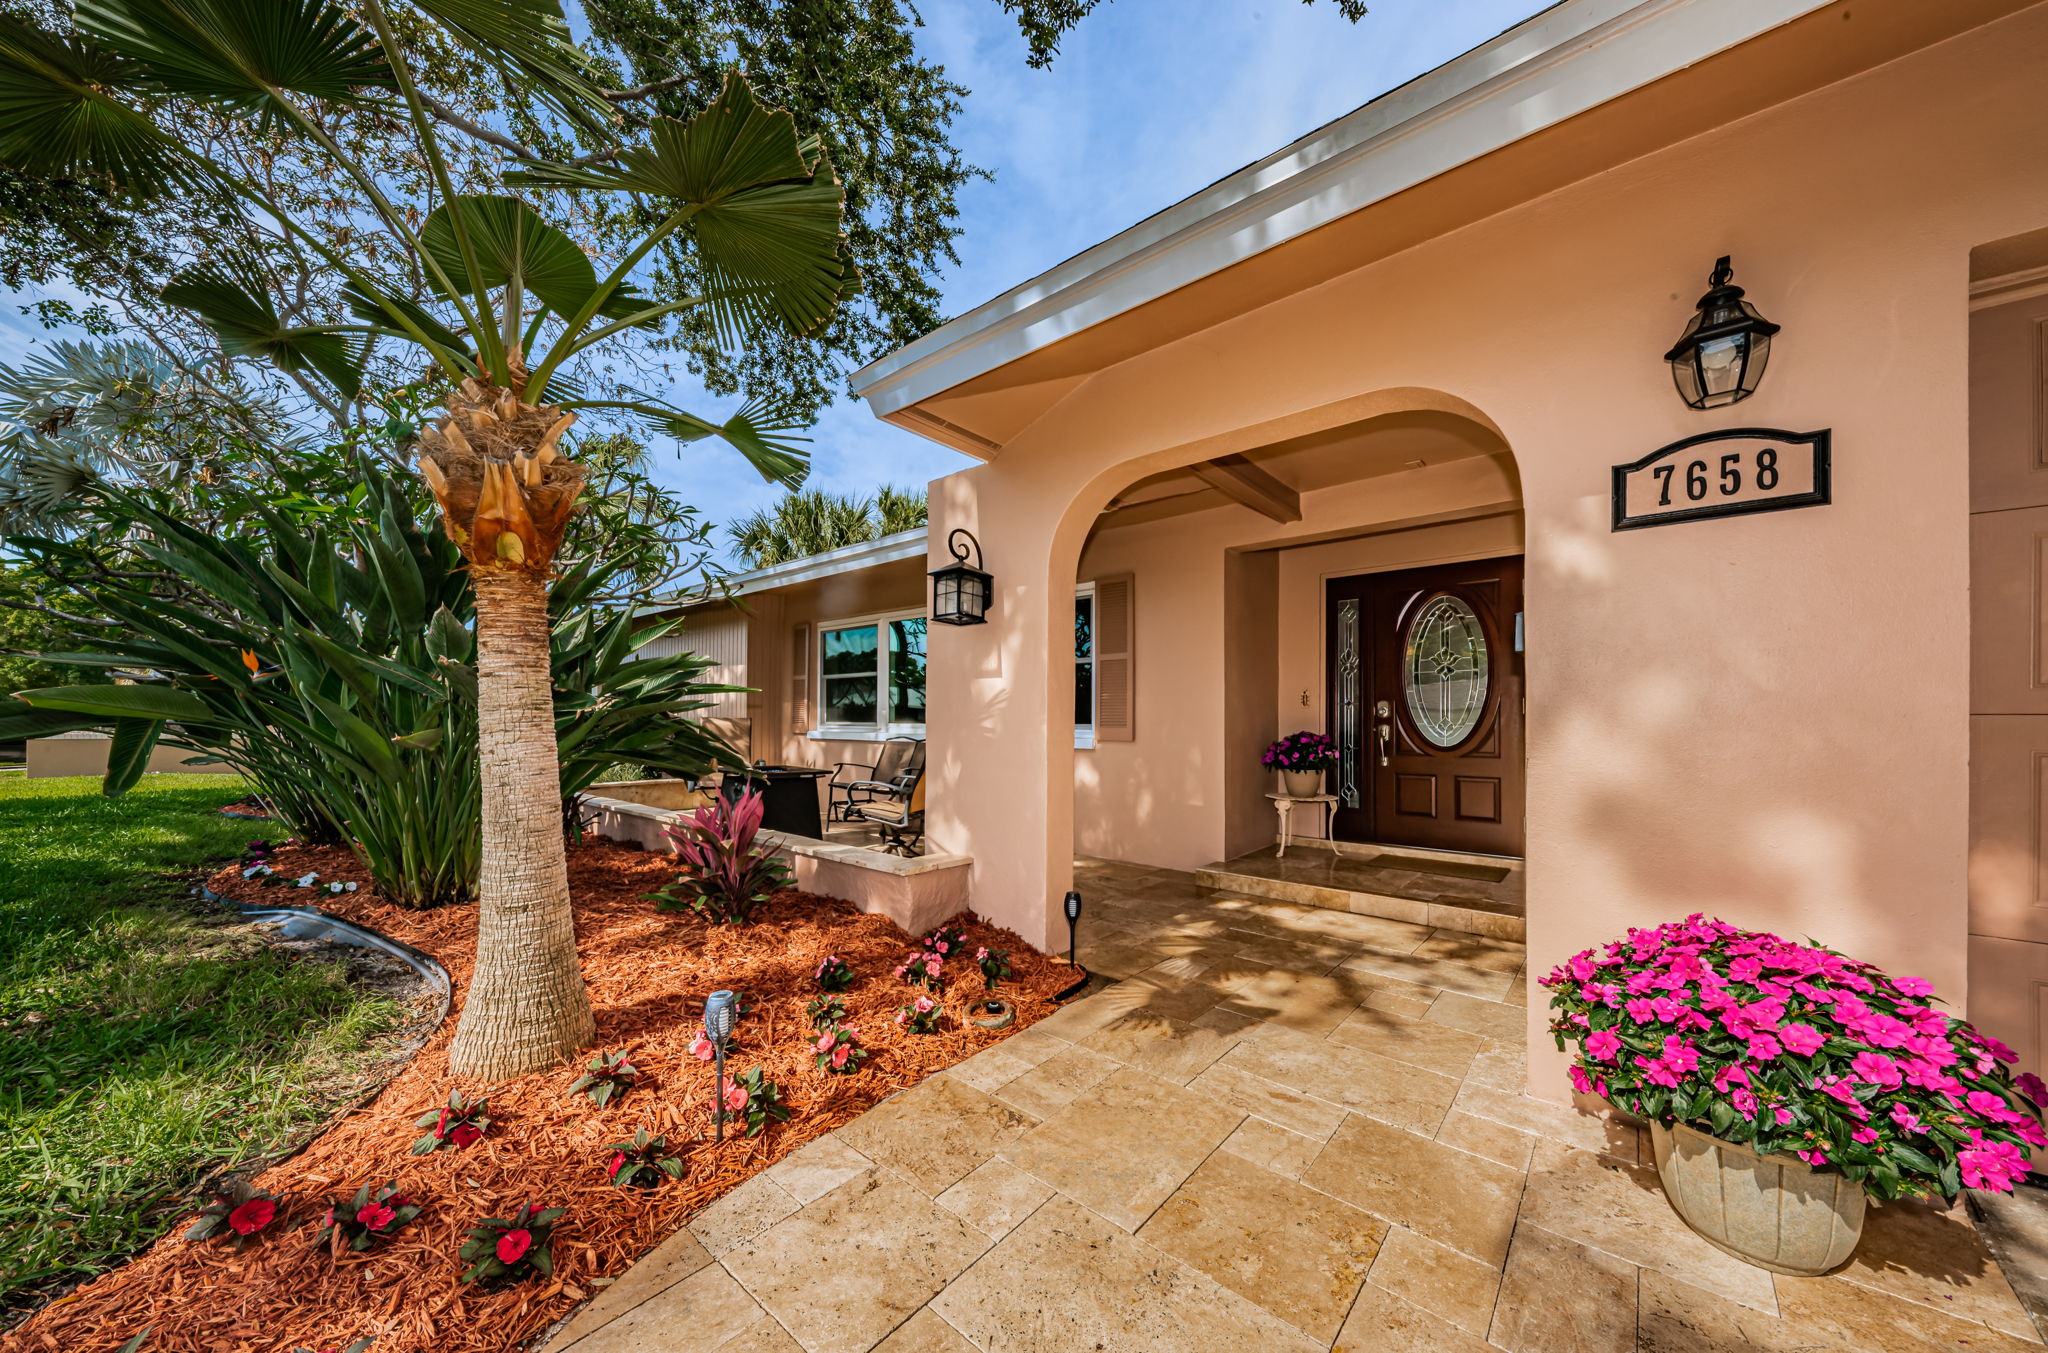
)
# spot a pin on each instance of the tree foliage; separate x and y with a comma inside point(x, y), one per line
point(1045, 22)
point(846, 69)
point(804, 522)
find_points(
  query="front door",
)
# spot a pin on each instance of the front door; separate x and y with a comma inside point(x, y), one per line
point(1426, 706)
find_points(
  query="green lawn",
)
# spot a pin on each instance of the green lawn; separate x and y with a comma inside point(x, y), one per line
point(143, 1042)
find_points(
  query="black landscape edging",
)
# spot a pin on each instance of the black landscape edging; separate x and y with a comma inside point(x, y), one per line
point(360, 937)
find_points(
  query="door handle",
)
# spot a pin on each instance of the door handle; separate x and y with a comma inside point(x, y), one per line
point(1383, 727)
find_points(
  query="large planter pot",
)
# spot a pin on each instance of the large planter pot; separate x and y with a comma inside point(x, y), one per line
point(1301, 784)
point(1771, 1211)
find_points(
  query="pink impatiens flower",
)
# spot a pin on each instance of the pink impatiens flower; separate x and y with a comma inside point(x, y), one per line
point(2032, 1087)
point(1986, 1164)
point(735, 1095)
point(377, 1216)
point(1876, 1069)
point(826, 1040)
point(1602, 1044)
point(1803, 1039)
point(700, 1047)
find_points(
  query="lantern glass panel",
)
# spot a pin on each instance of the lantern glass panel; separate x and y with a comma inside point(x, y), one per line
point(1721, 361)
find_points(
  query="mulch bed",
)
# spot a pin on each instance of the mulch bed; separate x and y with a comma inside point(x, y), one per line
point(648, 972)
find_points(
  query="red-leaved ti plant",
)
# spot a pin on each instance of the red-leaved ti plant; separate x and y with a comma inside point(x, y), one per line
point(726, 874)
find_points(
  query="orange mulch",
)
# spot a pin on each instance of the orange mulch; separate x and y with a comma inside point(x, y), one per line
point(648, 972)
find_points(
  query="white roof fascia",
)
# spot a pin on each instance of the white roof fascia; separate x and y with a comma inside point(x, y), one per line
point(890, 549)
point(1571, 57)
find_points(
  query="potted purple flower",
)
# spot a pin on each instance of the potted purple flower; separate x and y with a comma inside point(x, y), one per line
point(1767, 1067)
point(1301, 758)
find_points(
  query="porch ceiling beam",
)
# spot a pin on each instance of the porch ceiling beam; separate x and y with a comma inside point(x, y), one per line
point(1256, 488)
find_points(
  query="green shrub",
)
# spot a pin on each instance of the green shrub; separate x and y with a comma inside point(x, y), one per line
point(329, 657)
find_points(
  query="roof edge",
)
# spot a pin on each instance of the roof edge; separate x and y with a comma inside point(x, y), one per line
point(889, 549)
point(1547, 69)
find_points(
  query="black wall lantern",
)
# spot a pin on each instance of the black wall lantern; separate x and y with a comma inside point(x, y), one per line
point(960, 594)
point(1720, 357)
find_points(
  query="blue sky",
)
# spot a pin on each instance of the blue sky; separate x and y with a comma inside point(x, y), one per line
point(1149, 101)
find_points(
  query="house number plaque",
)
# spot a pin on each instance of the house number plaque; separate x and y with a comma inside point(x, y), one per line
point(1723, 474)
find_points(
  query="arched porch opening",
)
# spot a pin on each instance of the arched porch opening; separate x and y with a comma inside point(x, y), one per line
point(1205, 603)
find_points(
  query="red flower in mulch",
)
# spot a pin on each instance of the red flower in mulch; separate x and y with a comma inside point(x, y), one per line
point(252, 1216)
point(502, 1250)
point(361, 1222)
point(513, 1245)
point(462, 1124)
point(237, 1212)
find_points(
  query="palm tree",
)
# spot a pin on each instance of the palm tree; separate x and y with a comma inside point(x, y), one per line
point(512, 301)
point(804, 522)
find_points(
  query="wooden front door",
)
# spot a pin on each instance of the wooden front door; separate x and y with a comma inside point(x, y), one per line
point(1426, 706)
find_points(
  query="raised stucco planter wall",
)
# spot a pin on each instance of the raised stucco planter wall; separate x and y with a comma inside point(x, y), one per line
point(917, 894)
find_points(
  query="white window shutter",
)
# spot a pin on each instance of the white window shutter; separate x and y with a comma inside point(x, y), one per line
point(1116, 686)
point(800, 680)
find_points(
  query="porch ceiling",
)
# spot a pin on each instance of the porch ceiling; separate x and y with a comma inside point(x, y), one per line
point(1321, 460)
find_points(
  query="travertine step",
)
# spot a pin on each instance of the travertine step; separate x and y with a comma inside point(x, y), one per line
point(1478, 899)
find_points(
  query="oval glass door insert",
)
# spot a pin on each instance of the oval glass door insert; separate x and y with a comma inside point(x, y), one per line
point(1444, 671)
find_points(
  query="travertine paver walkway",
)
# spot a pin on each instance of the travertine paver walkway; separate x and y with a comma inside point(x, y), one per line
point(1287, 1129)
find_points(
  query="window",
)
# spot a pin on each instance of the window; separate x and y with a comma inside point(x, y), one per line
point(871, 674)
point(1084, 665)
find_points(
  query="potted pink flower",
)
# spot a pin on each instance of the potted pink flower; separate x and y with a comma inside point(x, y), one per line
point(1763, 1062)
point(1301, 758)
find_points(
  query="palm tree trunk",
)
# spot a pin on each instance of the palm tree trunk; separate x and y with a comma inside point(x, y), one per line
point(526, 1008)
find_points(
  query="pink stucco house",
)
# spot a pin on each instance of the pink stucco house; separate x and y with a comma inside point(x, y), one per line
point(1344, 443)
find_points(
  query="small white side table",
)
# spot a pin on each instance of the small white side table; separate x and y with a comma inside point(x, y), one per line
point(1283, 804)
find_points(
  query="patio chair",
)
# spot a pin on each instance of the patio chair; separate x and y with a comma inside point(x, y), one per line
point(898, 821)
point(888, 777)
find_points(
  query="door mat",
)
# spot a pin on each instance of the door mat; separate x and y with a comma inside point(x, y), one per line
point(1456, 869)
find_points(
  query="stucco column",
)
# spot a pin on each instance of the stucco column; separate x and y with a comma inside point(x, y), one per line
point(1000, 769)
